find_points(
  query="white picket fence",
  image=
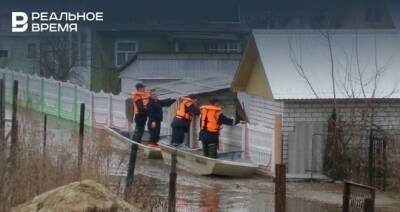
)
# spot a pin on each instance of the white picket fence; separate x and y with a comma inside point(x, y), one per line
point(63, 99)
point(256, 142)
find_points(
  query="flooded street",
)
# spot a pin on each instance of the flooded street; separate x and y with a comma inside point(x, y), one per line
point(211, 193)
point(198, 193)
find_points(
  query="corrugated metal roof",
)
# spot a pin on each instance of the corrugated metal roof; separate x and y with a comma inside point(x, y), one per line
point(181, 66)
point(192, 86)
point(282, 50)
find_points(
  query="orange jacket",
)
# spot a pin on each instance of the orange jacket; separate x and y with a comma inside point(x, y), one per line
point(182, 113)
point(209, 117)
point(138, 95)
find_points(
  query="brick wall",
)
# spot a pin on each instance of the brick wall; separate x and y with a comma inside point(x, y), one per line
point(386, 115)
point(261, 111)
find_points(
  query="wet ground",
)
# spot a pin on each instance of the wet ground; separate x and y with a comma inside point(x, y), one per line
point(202, 193)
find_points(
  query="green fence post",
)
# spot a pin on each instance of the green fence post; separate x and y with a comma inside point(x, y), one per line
point(75, 105)
point(27, 93)
point(59, 100)
point(109, 123)
point(42, 95)
point(12, 86)
point(92, 109)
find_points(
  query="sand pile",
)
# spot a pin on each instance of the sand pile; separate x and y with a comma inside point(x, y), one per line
point(84, 196)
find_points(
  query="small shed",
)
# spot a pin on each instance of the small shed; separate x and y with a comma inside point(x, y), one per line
point(203, 88)
point(153, 69)
point(289, 73)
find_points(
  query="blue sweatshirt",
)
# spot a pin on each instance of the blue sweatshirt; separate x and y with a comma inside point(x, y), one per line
point(154, 108)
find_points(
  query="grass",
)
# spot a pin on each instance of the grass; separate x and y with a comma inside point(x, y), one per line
point(37, 170)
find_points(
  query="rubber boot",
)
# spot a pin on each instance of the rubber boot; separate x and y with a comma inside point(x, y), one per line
point(212, 150)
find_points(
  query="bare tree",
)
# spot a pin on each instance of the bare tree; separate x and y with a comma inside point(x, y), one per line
point(359, 80)
point(296, 59)
point(59, 53)
point(327, 35)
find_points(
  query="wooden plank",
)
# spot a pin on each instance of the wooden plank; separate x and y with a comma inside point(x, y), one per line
point(280, 188)
point(278, 139)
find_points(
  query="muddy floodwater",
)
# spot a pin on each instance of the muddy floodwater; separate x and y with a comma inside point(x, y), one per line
point(210, 193)
point(201, 193)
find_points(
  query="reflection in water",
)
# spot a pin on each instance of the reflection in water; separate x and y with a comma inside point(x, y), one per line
point(297, 204)
point(204, 199)
point(209, 199)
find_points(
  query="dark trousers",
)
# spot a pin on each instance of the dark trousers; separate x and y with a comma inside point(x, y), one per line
point(178, 135)
point(210, 149)
point(139, 129)
point(210, 143)
point(154, 132)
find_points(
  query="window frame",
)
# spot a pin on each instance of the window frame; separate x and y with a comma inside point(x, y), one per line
point(116, 51)
point(226, 44)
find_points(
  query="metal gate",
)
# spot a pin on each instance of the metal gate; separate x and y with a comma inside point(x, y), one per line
point(365, 155)
point(377, 159)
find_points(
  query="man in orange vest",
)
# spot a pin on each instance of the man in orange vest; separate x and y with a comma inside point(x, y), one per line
point(211, 119)
point(140, 100)
point(180, 125)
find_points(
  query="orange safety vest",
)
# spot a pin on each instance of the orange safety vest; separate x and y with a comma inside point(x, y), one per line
point(209, 117)
point(182, 113)
point(144, 96)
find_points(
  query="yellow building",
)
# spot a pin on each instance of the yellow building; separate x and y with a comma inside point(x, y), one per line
point(290, 73)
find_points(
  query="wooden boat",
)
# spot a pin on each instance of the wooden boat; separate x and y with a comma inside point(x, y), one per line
point(193, 162)
point(150, 152)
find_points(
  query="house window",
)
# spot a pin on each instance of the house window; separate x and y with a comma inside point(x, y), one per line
point(224, 47)
point(32, 50)
point(3, 53)
point(124, 51)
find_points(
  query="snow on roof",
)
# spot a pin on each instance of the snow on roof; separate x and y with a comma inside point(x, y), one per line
point(291, 57)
